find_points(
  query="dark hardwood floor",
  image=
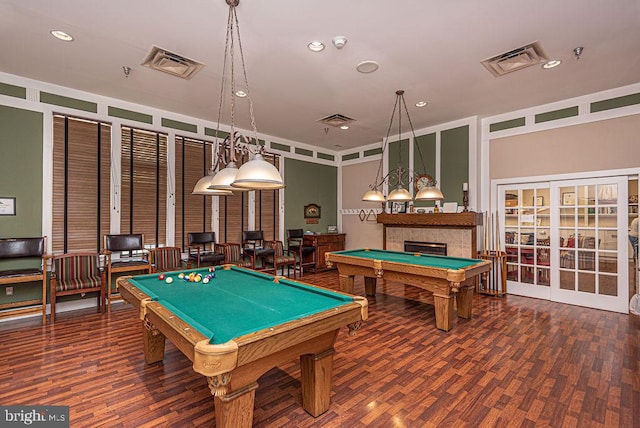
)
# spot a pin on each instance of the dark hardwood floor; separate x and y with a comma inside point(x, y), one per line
point(519, 362)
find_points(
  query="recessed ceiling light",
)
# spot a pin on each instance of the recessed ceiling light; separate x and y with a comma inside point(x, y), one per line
point(61, 35)
point(241, 94)
point(344, 127)
point(367, 66)
point(421, 103)
point(550, 64)
point(315, 46)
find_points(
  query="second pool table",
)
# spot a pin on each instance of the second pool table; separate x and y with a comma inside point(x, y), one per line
point(446, 277)
point(240, 324)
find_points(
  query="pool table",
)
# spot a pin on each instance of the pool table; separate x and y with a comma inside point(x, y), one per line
point(446, 277)
point(238, 325)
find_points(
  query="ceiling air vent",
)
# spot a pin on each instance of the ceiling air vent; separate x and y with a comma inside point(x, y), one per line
point(169, 62)
point(336, 120)
point(517, 59)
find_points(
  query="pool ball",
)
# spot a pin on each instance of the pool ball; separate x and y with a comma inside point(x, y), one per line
point(168, 280)
point(212, 268)
point(181, 275)
point(205, 279)
point(161, 276)
point(198, 278)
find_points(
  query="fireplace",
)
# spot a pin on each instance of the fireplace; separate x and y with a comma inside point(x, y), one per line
point(436, 248)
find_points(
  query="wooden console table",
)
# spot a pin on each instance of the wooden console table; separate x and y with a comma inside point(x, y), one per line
point(324, 242)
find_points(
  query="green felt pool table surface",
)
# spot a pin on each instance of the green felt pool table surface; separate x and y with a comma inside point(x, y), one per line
point(236, 301)
point(444, 262)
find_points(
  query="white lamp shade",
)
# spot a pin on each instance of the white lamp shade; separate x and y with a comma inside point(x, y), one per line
point(202, 188)
point(258, 174)
point(400, 194)
point(429, 193)
point(223, 179)
point(373, 196)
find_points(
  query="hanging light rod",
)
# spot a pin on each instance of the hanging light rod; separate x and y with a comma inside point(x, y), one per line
point(401, 176)
point(256, 173)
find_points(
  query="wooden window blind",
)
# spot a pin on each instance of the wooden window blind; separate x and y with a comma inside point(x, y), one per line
point(193, 212)
point(267, 206)
point(144, 185)
point(81, 184)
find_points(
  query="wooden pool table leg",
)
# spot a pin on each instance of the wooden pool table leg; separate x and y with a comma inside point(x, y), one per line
point(346, 283)
point(369, 286)
point(235, 410)
point(464, 299)
point(153, 343)
point(444, 311)
point(316, 381)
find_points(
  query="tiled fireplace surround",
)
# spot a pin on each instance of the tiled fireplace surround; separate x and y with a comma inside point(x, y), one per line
point(457, 230)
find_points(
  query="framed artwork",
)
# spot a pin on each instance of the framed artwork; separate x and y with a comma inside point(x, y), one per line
point(311, 211)
point(568, 198)
point(7, 206)
point(399, 207)
point(539, 201)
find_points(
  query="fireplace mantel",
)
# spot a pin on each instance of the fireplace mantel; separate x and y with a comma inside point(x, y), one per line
point(458, 230)
point(440, 220)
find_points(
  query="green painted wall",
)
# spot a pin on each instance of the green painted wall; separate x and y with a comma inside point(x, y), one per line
point(425, 144)
point(454, 163)
point(21, 177)
point(398, 155)
point(310, 183)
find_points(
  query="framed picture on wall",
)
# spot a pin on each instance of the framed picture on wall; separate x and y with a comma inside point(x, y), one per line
point(568, 198)
point(539, 201)
point(399, 207)
point(7, 206)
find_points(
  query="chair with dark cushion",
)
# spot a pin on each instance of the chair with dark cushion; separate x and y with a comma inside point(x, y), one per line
point(132, 257)
point(295, 243)
point(280, 257)
point(253, 246)
point(165, 259)
point(76, 274)
point(24, 251)
point(233, 255)
point(204, 250)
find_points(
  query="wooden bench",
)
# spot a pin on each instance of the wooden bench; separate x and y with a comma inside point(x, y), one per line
point(21, 252)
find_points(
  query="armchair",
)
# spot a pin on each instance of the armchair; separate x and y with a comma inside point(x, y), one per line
point(132, 258)
point(280, 257)
point(198, 251)
point(233, 255)
point(295, 243)
point(165, 259)
point(24, 249)
point(252, 246)
point(76, 274)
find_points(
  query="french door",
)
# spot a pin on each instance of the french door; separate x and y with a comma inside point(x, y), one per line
point(566, 241)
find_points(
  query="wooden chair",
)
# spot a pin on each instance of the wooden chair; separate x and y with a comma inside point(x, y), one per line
point(203, 249)
point(132, 258)
point(23, 251)
point(280, 257)
point(165, 259)
point(253, 246)
point(295, 244)
point(76, 274)
point(233, 255)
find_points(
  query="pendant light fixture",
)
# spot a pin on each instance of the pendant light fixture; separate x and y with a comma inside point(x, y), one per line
point(256, 173)
point(401, 175)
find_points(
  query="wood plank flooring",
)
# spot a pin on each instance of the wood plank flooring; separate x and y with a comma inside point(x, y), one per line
point(518, 362)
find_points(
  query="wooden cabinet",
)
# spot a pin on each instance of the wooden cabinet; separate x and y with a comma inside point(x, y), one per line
point(324, 242)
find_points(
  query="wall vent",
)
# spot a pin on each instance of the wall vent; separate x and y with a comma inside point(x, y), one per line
point(336, 120)
point(171, 63)
point(517, 59)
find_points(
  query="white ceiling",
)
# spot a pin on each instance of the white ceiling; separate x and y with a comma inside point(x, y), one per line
point(431, 49)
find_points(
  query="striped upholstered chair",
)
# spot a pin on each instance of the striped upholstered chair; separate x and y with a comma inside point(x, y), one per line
point(76, 274)
point(233, 255)
point(165, 259)
point(280, 257)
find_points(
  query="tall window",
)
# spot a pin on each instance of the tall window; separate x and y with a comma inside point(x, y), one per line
point(193, 212)
point(144, 185)
point(81, 183)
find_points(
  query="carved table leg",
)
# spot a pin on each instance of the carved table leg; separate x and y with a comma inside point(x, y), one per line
point(370, 286)
point(444, 311)
point(235, 410)
point(346, 283)
point(464, 299)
